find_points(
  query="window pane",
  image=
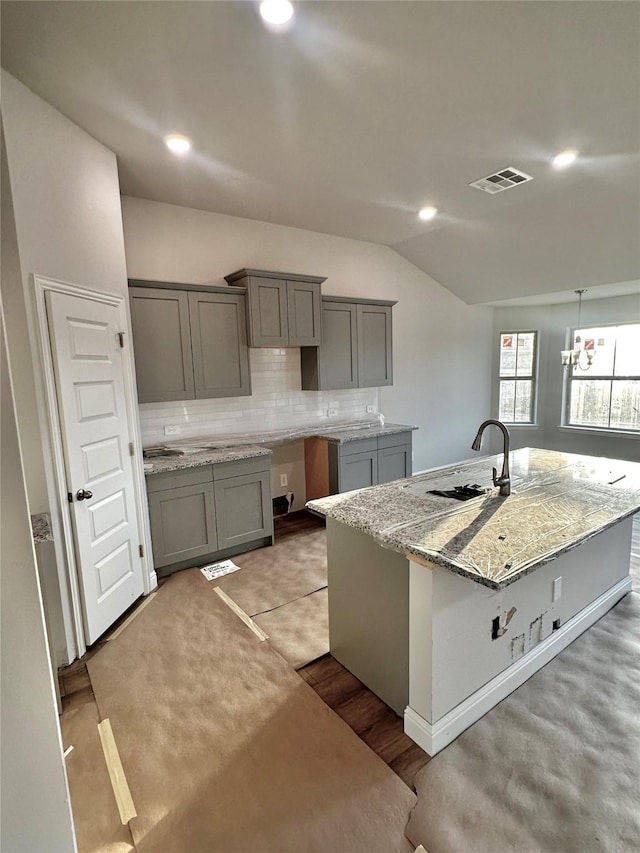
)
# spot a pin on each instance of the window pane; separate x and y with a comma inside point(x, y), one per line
point(523, 401)
point(601, 342)
point(628, 351)
point(508, 349)
point(590, 400)
point(525, 353)
point(625, 404)
point(507, 401)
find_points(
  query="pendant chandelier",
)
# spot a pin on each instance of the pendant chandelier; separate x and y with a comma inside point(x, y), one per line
point(581, 356)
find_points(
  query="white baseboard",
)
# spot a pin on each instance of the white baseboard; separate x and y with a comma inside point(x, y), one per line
point(432, 737)
point(153, 580)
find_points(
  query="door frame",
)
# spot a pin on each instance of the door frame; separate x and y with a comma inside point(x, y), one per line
point(68, 571)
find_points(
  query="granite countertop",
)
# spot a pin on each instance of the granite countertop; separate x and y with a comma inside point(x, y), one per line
point(258, 444)
point(557, 501)
point(178, 461)
point(41, 527)
point(344, 434)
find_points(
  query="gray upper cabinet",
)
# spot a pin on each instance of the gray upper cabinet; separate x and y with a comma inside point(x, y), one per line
point(189, 343)
point(375, 360)
point(162, 344)
point(219, 344)
point(283, 308)
point(356, 349)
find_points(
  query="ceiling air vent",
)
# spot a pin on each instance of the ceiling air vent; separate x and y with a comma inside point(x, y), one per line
point(500, 181)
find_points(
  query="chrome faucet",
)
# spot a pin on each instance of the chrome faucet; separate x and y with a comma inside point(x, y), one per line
point(504, 480)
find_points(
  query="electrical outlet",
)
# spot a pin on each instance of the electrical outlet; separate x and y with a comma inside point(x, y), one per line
point(332, 413)
point(284, 481)
point(172, 430)
point(370, 409)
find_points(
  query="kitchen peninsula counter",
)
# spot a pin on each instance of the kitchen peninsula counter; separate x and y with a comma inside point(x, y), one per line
point(442, 608)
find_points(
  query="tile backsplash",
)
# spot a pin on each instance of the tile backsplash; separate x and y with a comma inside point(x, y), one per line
point(276, 402)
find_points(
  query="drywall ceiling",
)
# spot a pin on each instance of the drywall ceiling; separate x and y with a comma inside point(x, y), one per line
point(362, 112)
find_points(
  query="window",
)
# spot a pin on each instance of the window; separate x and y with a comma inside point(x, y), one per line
point(518, 357)
point(606, 395)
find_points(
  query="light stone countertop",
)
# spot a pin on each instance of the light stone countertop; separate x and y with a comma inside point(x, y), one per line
point(177, 462)
point(343, 435)
point(557, 501)
point(236, 449)
point(41, 527)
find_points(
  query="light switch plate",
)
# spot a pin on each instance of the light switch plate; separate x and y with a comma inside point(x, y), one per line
point(557, 589)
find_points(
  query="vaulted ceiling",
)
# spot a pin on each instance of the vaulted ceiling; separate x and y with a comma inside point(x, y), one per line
point(360, 113)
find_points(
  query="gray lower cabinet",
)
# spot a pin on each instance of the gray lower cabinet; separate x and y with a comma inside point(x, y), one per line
point(394, 457)
point(283, 308)
point(369, 461)
point(189, 343)
point(212, 511)
point(356, 349)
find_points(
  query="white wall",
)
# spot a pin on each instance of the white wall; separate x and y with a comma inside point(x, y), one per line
point(36, 814)
point(552, 322)
point(66, 201)
point(61, 197)
point(442, 347)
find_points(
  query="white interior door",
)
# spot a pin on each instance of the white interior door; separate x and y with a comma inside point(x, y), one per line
point(89, 375)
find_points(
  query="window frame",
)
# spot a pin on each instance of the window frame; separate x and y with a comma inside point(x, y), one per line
point(533, 377)
point(572, 374)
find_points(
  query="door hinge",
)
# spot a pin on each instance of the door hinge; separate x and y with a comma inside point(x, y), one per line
point(121, 339)
point(131, 448)
point(141, 550)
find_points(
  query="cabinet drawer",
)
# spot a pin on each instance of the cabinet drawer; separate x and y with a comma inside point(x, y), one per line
point(394, 440)
point(176, 479)
point(240, 467)
point(360, 445)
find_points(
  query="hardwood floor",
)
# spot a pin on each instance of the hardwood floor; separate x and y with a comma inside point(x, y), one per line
point(373, 721)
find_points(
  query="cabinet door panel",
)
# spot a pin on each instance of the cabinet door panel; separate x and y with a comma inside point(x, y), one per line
point(219, 341)
point(339, 351)
point(394, 463)
point(162, 344)
point(358, 471)
point(183, 523)
point(243, 509)
point(375, 362)
point(268, 312)
point(303, 309)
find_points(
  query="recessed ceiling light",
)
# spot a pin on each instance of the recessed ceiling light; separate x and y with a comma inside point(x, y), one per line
point(177, 143)
point(564, 159)
point(427, 213)
point(276, 11)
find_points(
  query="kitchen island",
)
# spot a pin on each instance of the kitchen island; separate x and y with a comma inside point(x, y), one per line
point(442, 607)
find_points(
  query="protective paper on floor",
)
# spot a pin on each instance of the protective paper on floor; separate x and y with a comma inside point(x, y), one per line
point(227, 749)
point(299, 631)
point(95, 814)
point(284, 572)
point(554, 767)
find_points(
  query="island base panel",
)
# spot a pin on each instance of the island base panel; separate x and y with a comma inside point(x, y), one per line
point(468, 642)
point(369, 612)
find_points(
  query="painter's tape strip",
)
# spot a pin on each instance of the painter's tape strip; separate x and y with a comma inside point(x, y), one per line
point(116, 773)
point(248, 621)
point(421, 561)
point(135, 613)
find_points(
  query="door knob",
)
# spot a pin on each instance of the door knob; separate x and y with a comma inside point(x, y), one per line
point(84, 494)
